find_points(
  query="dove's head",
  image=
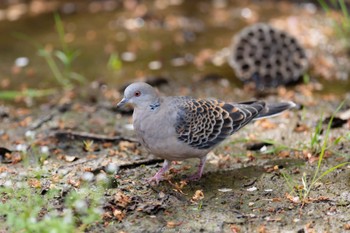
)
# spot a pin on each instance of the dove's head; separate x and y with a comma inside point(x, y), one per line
point(139, 94)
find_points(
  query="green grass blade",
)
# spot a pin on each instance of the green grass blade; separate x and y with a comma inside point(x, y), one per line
point(35, 93)
point(60, 31)
point(324, 5)
point(325, 142)
point(331, 170)
point(344, 9)
point(289, 181)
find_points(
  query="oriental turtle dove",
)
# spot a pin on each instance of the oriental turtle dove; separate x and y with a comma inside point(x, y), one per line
point(180, 127)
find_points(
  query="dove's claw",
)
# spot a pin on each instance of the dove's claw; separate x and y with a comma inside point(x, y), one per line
point(199, 172)
point(159, 175)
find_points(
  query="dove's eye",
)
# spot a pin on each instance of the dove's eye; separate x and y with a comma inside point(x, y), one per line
point(137, 93)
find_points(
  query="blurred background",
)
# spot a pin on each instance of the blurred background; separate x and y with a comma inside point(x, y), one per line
point(50, 46)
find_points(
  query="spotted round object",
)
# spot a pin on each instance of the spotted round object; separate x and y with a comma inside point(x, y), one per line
point(267, 56)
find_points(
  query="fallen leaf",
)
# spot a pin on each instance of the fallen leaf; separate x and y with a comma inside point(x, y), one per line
point(107, 215)
point(74, 183)
point(172, 224)
point(284, 154)
point(69, 158)
point(151, 208)
point(3, 169)
point(107, 145)
point(198, 195)
point(34, 183)
point(118, 214)
point(295, 200)
point(121, 200)
point(299, 128)
point(266, 124)
point(309, 228)
point(235, 228)
point(262, 229)
point(15, 157)
point(179, 186)
point(124, 145)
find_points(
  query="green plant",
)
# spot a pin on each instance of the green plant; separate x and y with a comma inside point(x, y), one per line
point(86, 203)
point(114, 62)
point(60, 61)
point(26, 209)
point(315, 137)
point(66, 56)
point(32, 93)
point(306, 78)
point(88, 145)
point(342, 25)
point(303, 190)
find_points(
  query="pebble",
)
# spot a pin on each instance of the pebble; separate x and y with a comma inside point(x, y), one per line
point(87, 176)
point(154, 65)
point(21, 61)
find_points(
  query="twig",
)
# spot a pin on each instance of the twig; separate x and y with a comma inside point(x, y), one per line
point(250, 183)
point(37, 124)
point(136, 164)
point(73, 135)
point(132, 165)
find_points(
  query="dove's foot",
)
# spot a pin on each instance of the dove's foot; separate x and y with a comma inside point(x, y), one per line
point(156, 178)
point(194, 177)
point(199, 172)
point(159, 175)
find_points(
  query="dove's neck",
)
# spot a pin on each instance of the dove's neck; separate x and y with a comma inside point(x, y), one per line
point(145, 111)
point(151, 105)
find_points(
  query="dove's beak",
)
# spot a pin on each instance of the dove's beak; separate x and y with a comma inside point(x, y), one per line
point(122, 102)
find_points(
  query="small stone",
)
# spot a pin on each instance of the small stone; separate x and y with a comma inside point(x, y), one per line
point(44, 149)
point(21, 147)
point(252, 189)
point(69, 158)
point(128, 56)
point(246, 13)
point(8, 184)
point(263, 149)
point(225, 190)
point(129, 127)
point(87, 176)
point(101, 177)
point(21, 61)
point(30, 134)
point(155, 65)
point(81, 206)
point(179, 61)
point(112, 168)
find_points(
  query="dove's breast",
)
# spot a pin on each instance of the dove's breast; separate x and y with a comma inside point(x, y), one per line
point(156, 132)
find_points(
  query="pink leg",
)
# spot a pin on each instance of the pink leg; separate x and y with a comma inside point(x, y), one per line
point(159, 175)
point(199, 172)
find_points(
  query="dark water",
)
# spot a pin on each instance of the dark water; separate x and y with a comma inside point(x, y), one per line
point(177, 37)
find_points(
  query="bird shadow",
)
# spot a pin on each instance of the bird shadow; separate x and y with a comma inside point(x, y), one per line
point(233, 179)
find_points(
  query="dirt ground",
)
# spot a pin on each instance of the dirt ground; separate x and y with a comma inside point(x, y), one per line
point(258, 180)
point(241, 190)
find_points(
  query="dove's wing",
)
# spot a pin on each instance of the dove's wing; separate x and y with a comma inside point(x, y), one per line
point(204, 123)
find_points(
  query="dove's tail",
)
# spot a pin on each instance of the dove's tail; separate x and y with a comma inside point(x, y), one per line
point(271, 110)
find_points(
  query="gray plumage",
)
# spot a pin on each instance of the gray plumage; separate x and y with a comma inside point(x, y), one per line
point(177, 128)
